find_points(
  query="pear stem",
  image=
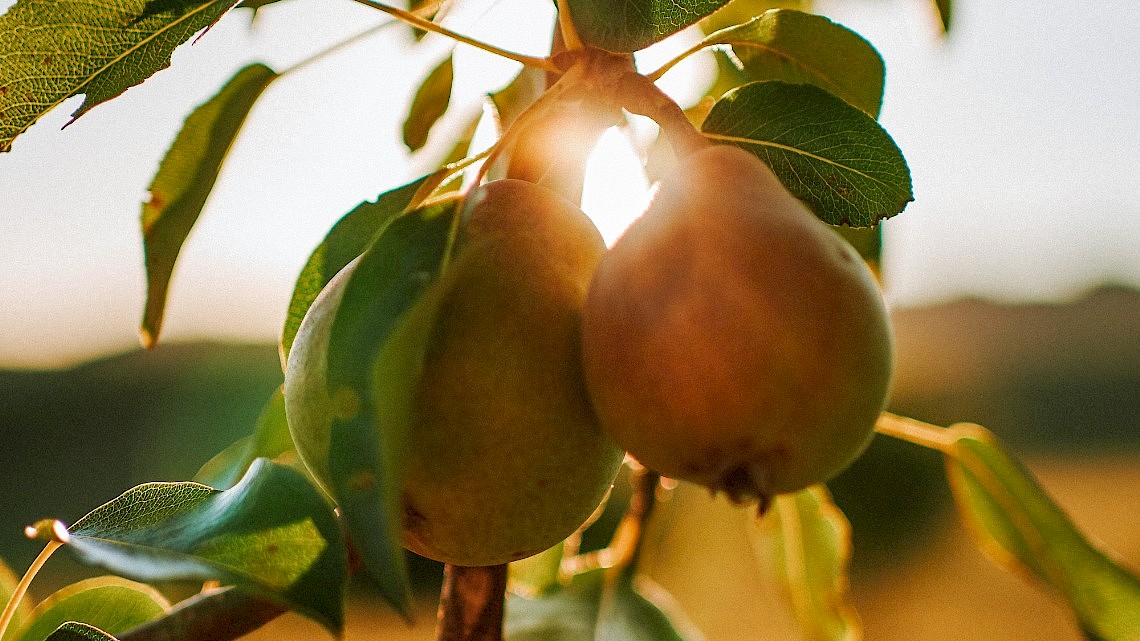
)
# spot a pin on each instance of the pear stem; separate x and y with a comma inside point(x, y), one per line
point(472, 603)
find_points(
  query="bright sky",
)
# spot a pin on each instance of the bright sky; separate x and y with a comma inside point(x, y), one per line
point(1020, 132)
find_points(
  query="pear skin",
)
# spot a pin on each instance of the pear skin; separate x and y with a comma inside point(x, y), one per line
point(732, 339)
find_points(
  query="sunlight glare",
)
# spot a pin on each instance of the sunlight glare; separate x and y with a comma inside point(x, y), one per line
point(616, 189)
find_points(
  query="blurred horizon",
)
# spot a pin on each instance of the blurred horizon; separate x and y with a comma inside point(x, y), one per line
point(1018, 127)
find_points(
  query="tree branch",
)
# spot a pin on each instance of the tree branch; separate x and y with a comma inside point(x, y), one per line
point(471, 603)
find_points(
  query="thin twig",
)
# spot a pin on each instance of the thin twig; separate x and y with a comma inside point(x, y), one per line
point(428, 25)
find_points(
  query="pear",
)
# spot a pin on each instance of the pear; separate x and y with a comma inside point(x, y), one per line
point(505, 455)
point(731, 338)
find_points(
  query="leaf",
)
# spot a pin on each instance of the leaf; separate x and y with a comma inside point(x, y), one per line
point(375, 341)
point(73, 631)
point(868, 241)
point(1015, 522)
point(630, 25)
point(797, 47)
point(566, 614)
point(429, 104)
point(347, 239)
point(627, 615)
point(184, 180)
point(945, 10)
point(55, 49)
point(538, 574)
point(111, 604)
point(8, 583)
point(270, 439)
point(830, 155)
point(520, 93)
point(272, 534)
point(808, 542)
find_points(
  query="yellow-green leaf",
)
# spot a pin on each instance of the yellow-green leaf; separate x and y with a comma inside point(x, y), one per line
point(75, 631)
point(55, 49)
point(110, 604)
point(1016, 523)
point(8, 583)
point(807, 541)
point(429, 104)
point(184, 180)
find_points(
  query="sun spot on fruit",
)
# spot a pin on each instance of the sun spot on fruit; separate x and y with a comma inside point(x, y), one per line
point(346, 404)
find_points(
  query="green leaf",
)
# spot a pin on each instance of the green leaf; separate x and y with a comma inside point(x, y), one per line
point(272, 534)
point(55, 49)
point(806, 541)
point(798, 47)
point(566, 614)
point(184, 180)
point(538, 574)
point(374, 344)
point(628, 615)
point(945, 10)
point(829, 154)
point(429, 104)
point(520, 93)
point(74, 631)
point(8, 583)
point(868, 241)
point(347, 239)
point(270, 439)
point(630, 25)
point(1016, 523)
point(108, 603)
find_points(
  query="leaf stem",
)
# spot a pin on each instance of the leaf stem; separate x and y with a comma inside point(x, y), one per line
point(427, 25)
point(570, 37)
point(628, 540)
point(25, 581)
point(916, 431)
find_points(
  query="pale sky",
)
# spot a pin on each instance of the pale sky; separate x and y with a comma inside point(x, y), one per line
point(1020, 131)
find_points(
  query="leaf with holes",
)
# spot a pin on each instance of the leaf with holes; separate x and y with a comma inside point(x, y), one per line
point(630, 25)
point(55, 49)
point(829, 154)
point(184, 180)
point(272, 534)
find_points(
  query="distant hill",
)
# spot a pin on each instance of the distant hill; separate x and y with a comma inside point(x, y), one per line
point(1042, 376)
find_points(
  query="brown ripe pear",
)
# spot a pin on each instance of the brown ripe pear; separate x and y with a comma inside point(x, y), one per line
point(731, 338)
point(505, 455)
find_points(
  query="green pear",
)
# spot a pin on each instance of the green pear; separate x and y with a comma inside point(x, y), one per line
point(731, 338)
point(505, 455)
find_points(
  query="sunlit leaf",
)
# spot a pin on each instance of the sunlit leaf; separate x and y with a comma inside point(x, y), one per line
point(270, 439)
point(111, 604)
point(184, 180)
point(429, 104)
point(55, 49)
point(74, 631)
point(538, 574)
point(630, 25)
point(800, 47)
point(829, 154)
point(739, 11)
point(520, 93)
point(375, 340)
point(347, 239)
point(566, 614)
point(8, 583)
point(806, 541)
point(272, 534)
point(1016, 523)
